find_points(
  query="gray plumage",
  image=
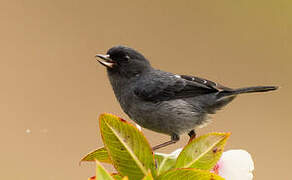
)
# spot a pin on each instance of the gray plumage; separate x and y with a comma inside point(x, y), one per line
point(161, 101)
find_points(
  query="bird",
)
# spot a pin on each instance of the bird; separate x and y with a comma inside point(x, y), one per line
point(165, 102)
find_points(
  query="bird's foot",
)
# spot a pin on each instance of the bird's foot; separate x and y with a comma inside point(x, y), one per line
point(192, 135)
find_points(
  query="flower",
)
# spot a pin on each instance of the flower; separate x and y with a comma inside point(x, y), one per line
point(235, 165)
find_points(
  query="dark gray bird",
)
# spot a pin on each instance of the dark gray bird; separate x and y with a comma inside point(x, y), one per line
point(161, 101)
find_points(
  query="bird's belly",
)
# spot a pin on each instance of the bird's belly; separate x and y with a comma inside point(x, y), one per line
point(168, 117)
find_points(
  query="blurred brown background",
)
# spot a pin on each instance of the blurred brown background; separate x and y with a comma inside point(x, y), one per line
point(52, 88)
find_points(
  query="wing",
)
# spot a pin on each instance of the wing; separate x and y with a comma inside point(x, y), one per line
point(206, 82)
point(161, 86)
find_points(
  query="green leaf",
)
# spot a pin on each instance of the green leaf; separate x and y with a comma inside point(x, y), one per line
point(117, 176)
point(101, 173)
point(165, 162)
point(148, 176)
point(99, 154)
point(189, 173)
point(203, 152)
point(127, 147)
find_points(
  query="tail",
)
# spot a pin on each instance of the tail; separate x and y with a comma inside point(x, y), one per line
point(254, 89)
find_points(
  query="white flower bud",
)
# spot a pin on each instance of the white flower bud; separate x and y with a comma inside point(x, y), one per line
point(235, 165)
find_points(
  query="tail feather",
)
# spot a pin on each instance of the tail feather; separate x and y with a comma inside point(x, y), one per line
point(255, 89)
point(247, 90)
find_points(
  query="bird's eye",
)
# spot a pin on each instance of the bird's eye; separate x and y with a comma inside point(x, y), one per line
point(120, 57)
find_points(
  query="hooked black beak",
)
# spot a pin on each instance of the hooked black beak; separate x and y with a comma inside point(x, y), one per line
point(105, 60)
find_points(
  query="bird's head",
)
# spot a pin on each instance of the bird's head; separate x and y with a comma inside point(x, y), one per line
point(124, 60)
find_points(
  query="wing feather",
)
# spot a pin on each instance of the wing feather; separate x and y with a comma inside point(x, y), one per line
point(162, 86)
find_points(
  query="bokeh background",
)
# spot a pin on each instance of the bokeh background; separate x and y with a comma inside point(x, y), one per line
point(52, 88)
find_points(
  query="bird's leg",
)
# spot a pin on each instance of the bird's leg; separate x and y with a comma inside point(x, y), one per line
point(174, 139)
point(192, 135)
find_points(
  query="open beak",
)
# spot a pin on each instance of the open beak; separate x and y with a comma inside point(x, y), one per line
point(105, 60)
